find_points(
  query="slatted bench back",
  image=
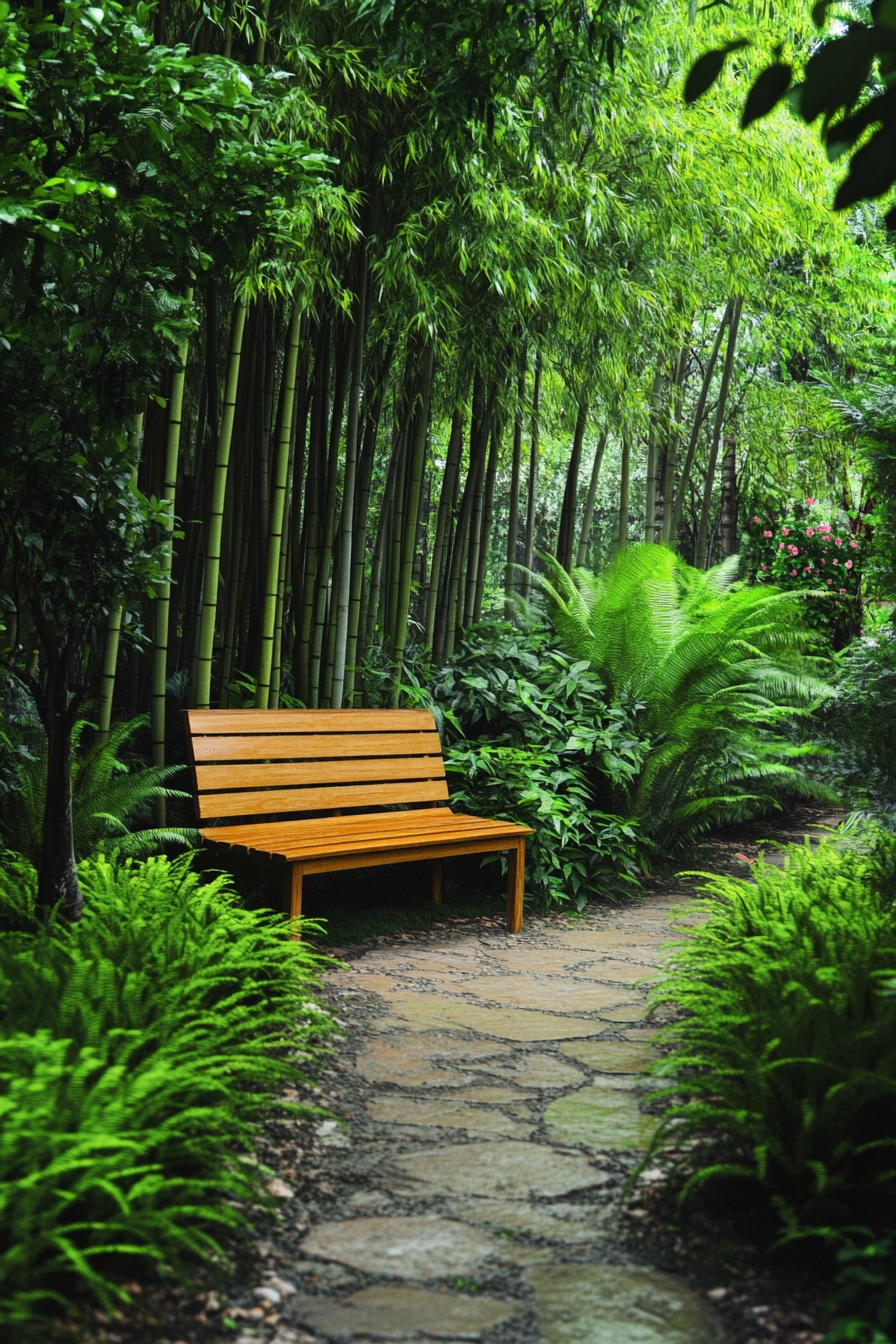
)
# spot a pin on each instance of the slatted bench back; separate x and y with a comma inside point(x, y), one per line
point(266, 763)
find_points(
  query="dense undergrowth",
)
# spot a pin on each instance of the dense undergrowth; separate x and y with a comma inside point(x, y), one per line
point(140, 1050)
point(781, 1063)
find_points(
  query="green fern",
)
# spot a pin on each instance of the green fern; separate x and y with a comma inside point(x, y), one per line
point(716, 670)
point(782, 1063)
point(106, 796)
point(139, 1052)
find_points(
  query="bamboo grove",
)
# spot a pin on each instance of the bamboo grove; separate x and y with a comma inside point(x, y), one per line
point(353, 311)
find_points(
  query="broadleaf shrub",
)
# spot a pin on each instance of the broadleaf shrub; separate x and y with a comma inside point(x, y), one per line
point(782, 1062)
point(139, 1051)
point(531, 739)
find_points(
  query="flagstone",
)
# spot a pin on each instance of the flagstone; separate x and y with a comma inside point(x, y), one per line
point(425, 1247)
point(447, 1112)
point(551, 995)
point(606, 1304)
point(610, 1056)
point(570, 1224)
point(505, 1169)
point(533, 1069)
point(397, 1313)
point(600, 1115)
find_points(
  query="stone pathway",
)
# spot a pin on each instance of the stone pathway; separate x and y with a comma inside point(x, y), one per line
point(490, 1088)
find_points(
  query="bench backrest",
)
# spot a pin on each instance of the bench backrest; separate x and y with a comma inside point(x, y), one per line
point(276, 762)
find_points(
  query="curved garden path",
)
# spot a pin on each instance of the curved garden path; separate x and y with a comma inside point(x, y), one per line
point(482, 1118)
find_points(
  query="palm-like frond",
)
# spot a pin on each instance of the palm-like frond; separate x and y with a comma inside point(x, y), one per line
point(716, 666)
point(106, 796)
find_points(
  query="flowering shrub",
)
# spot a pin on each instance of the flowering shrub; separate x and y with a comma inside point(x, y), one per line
point(810, 553)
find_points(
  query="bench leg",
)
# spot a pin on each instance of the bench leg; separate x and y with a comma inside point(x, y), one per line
point(295, 894)
point(437, 881)
point(516, 873)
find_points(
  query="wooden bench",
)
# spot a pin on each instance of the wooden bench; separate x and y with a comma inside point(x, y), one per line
point(374, 780)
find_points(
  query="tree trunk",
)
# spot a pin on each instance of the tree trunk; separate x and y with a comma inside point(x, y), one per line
point(567, 531)
point(278, 512)
point(529, 545)
point(702, 556)
point(163, 601)
point(588, 514)
point(212, 568)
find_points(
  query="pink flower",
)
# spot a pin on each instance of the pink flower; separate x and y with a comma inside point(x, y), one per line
point(780, 545)
point(765, 566)
point(794, 550)
point(785, 531)
point(793, 573)
point(824, 527)
point(838, 541)
point(829, 582)
point(757, 520)
point(808, 569)
point(843, 590)
point(848, 564)
point(809, 502)
point(822, 561)
point(766, 534)
point(810, 531)
point(853, 544)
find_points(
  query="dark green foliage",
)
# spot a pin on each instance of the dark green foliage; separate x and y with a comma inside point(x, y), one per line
point(139, 1049)
point(538, 745)
point(864, 1297)
point(783, 1061)
point(861, 722)
point(106, 794)
point(716, 672)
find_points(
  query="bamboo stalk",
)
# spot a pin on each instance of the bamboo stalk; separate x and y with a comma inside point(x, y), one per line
point(653, 466)
point(529, 545)
point(212, 568)
point(701, 556)
point(276, 546)
point(567, 530)
point(690, 452)
point(440, 543)
point(491, 472)
point(163, 600)
point(311, 520)
point(113, 624)
point(588, 513)
point(416, 464)
point(328, 521)
point(624, 483)
point(479, 433)
point(349, 488)
point(513, 518)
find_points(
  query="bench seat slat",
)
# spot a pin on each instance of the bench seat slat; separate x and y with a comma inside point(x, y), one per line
point(238, 722)
point(294, 845)
point(267, 801)
point(299, 773)
point(311, 746)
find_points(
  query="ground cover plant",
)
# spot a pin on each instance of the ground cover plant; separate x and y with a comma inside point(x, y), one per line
point(782, 1059)
point(716, 670)
point(140, 1050)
